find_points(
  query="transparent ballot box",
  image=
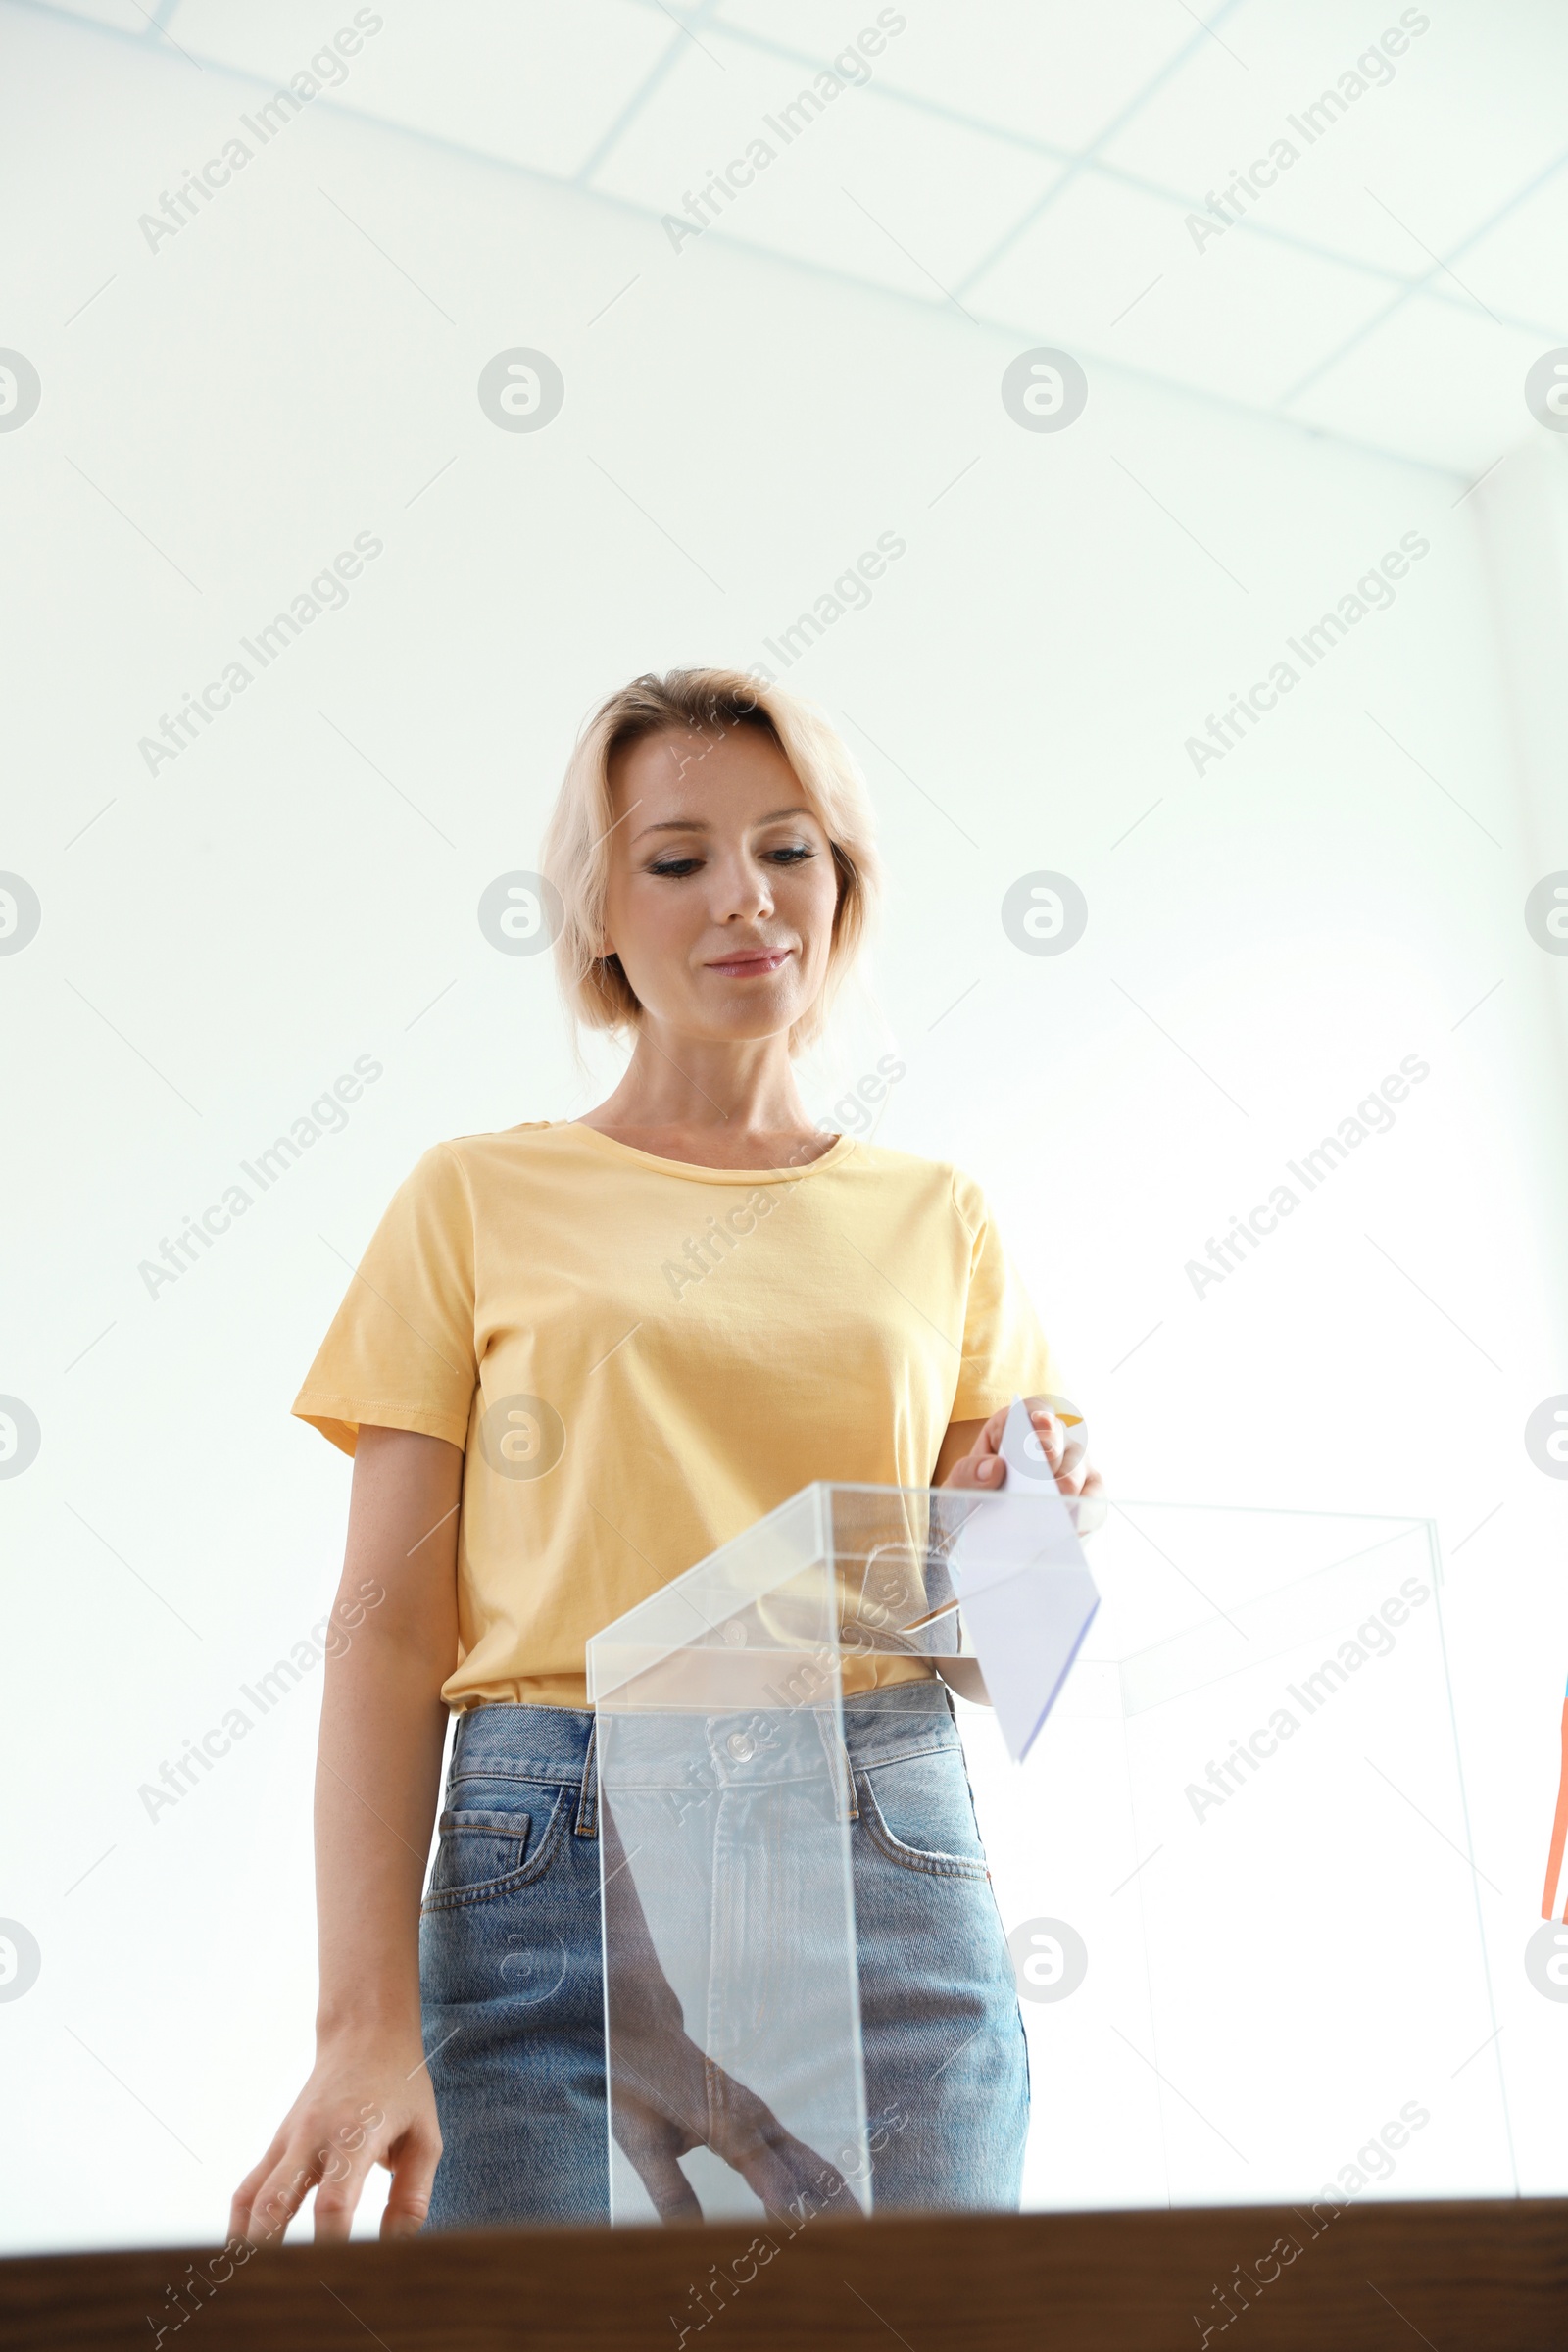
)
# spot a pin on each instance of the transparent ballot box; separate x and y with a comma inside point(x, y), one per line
point(1232, 1866)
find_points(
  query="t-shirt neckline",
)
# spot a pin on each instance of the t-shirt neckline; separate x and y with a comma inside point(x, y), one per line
point(837, 1152)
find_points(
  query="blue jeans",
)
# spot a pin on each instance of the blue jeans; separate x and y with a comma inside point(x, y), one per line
point(512, 1972)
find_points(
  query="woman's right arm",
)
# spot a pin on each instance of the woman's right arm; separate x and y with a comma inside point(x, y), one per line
point(394, 1642)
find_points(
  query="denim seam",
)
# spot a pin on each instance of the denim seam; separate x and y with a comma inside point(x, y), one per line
point(547, 1777)
point(457, 1898)
point(914, 1857)
point(839, 1766)
point(903, 1756)
point(586, 1824)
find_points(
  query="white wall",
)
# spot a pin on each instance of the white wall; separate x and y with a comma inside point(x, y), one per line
point(226, 936)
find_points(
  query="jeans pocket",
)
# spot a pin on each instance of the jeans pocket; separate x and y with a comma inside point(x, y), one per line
point(919, 1813)
point(487, 1850)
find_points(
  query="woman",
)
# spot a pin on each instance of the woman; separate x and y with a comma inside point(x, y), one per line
point(578, 1357)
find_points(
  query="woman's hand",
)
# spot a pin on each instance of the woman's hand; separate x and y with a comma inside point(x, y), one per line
point(364, 2104)
point(668, 2096)
point(979, 1464)
point(392, 1641)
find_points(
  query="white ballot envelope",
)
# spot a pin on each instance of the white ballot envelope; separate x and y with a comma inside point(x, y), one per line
point(1027, 1602)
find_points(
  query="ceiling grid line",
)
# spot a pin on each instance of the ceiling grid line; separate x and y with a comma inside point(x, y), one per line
point(1453, 253)
point(1158, 191)
point(1080, 163)
point(685, 29)
point(1444, 463)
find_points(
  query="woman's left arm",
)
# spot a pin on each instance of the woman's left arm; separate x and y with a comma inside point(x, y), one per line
point(969, 1457)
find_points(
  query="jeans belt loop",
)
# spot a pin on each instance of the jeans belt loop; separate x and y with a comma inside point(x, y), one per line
point(586, 1824)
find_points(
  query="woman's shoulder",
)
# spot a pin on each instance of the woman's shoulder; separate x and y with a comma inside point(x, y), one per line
point(504, 1152)
point(501, 1135)
point(909, 1171)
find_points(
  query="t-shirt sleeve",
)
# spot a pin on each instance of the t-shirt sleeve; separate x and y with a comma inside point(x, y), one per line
point(1006, 1354)
point(400, 1353)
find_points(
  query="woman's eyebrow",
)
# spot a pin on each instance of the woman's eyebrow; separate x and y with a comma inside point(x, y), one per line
point(700, 824)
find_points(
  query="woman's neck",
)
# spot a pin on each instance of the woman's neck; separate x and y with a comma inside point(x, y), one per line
point(717, 1102)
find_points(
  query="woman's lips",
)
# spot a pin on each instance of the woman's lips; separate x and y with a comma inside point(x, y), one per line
point(742, 966)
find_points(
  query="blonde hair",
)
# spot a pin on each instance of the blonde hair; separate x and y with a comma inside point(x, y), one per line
point(575, 858)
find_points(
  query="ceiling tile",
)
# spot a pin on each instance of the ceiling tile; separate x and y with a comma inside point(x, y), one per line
point(120, 14)
point(881, 192)
point(1444, 385)
point(1443, 133)
point(1517, 268)
point(1053, 70)
point(1243, 328)
point(528, 80)
point(893, 183)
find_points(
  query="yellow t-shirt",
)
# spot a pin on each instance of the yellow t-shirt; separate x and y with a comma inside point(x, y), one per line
point(643, 1357)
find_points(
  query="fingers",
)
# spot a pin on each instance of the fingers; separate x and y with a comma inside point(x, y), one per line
point(1051, 1433)
point(785, 2174)
point(776, 2166)
point(337, 2179)
point(981, 1470)
point(413, 2163)
point(346, 2160)
point(277, 2197)
point(1062, 1444)
point(334, 2162)
point(342, 2177)
point(243, 2202)
point(1068, 1423)
point(674, 2198)
point(982, 1466)
point(652, 2144)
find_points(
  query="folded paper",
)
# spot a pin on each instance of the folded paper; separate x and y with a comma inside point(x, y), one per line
point(1027, 1595)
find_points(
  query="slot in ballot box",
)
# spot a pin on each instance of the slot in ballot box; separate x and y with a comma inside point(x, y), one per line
point(1233, 1869)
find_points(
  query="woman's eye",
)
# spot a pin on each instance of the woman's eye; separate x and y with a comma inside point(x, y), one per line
point(789, 853)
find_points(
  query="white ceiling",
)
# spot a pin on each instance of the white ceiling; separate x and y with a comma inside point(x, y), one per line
point(1029, 166)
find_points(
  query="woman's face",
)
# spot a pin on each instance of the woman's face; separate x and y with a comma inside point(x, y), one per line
point(722, 885)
